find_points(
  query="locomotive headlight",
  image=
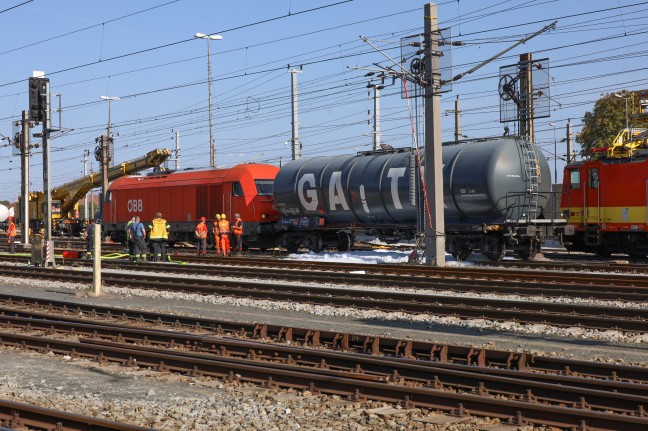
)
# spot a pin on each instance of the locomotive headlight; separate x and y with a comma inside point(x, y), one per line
point(263, 216)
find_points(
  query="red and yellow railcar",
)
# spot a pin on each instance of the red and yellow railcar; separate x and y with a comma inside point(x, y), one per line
point(606, 200)
point(183, 197)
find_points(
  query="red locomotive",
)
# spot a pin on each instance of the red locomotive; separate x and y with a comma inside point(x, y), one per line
point(184, 197)
point(606, 200)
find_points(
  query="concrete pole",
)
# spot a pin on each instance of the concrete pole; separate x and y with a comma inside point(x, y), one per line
point(457, 118)
point(104, 174)
point(376, 125)
point(525, 114)
point(86, 153)
point(177, 151)
point(568, 139)
point(296, 145)
point(24, 186)
point(96, 261)
point(111, 149)
point(47, 126)
point(434, 228)
point(212, 147)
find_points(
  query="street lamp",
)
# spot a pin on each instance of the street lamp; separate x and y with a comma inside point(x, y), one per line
point(212, 149)
point(625, 97)
point(111, 152)
point(553, 193)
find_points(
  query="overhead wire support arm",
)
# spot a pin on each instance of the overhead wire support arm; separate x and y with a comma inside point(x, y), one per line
point(551, 26)
point(405, 72)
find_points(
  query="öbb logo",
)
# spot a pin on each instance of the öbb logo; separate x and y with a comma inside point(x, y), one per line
point(134, 205)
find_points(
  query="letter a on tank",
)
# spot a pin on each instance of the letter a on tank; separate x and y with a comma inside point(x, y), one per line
point(336, 193)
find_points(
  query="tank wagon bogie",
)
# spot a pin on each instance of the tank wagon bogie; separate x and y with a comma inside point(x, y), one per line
point(185, 196)
point(494, 194)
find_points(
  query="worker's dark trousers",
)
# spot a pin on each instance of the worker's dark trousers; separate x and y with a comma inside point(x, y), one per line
point(139, 249)
point(156, 245)
point(131, 249)
point(202, 245)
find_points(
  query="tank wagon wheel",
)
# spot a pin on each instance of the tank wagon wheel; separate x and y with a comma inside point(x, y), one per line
point(637, 255)
point(292, 247)
point(313, 242)
point(462, 253)
point(530, 250)
point(344, 241)
point(458, 250)
point(494, 248)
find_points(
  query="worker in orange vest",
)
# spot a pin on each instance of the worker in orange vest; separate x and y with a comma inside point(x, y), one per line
point(217, 235)
point(224, 227)
point(11, 235)
point(201, 236)
point(237, 230)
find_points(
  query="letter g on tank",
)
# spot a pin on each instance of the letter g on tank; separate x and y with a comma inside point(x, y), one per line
point(307, 197)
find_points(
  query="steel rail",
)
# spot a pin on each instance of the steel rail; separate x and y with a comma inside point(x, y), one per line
point(20, 416)
point(410, 349)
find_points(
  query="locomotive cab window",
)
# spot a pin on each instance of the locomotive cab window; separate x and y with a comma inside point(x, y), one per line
point(574, 179)
point(237, 189)
point(264, 187)
point(593, 178)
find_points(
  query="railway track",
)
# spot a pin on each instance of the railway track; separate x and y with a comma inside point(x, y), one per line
point(597, 268)
point(558, 261)
point(19, 416)
point(523, 283)
point(526, 312)
point(520, 396)
point(613, 287)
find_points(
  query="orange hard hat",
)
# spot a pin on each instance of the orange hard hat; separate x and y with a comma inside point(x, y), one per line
point(202, 219)
point(10, 218)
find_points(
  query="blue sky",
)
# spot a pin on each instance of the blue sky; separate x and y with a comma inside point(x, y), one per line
point(144, 52)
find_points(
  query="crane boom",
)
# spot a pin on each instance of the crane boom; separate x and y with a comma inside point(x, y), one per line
point(70, 193)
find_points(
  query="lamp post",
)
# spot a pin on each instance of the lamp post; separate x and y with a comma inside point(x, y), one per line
point(555, 154)
point(111, 151)
point(212, 149)
point(553, 194)
point(624, 97)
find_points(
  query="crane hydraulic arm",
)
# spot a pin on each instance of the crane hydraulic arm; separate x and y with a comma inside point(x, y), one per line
point(70, 193)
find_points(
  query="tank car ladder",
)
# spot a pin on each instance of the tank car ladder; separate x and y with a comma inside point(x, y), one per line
point(532, 171)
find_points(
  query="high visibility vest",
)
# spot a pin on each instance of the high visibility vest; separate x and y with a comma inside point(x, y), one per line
point(11, 231)
point(201, 230)
point(159, 229)
point(215, 229)
point(128, 229)
point(224, 227)
point(238, 227)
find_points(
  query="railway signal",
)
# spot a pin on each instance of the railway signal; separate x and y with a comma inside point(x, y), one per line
point(37, 98)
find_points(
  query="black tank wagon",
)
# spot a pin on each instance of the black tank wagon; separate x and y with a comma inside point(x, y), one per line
point(495, 191)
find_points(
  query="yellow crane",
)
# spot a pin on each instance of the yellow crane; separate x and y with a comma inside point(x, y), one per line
point(65, 198)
